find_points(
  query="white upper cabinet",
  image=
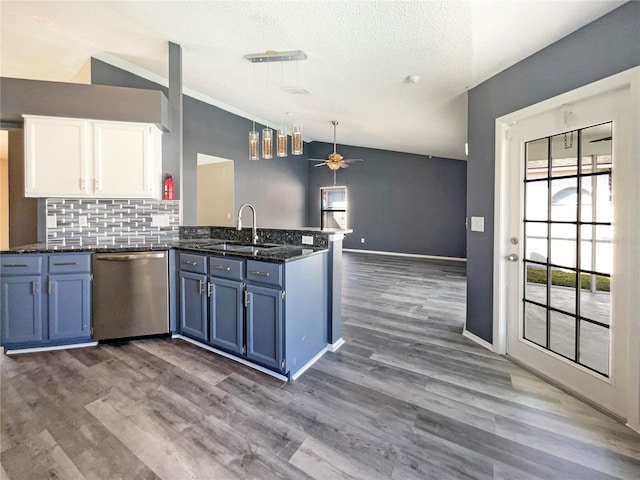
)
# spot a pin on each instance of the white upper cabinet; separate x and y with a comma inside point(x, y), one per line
point(86, 158)
point(57, 156)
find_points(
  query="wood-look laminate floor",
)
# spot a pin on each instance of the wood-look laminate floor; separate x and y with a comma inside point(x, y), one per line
point(407, 397)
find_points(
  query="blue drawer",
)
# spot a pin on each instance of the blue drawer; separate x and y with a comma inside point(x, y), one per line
point(20, 264)
point(69, 263)
point(226, 268)
point(193, 263)
point(264, 272)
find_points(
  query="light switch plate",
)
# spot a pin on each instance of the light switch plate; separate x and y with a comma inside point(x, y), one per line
point(307, 240)
point(477, 224)
point(83, 221)
point(52, 221)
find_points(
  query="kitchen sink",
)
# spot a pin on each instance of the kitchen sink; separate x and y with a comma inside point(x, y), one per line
point(241, 247)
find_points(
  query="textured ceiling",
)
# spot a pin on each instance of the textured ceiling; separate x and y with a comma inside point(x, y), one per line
point(359, 56)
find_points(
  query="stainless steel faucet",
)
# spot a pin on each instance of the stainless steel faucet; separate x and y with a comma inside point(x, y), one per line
point(254, 230)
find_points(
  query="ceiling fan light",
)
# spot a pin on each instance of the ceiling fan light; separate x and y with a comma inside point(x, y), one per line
point(267, 143)
point(296, 139)
point(334, 165)
point(281, 142)
point(254, 138)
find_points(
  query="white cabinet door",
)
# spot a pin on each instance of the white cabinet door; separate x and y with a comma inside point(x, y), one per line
point(124, 160)
point(57, 157)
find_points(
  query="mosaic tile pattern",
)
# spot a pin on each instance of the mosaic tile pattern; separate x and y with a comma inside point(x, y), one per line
point(111, 222)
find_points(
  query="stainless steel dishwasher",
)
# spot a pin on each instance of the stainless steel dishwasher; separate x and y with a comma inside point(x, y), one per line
point(130, 294)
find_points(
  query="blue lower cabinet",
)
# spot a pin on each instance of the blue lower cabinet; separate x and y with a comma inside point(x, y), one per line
point(264, 319)
point(69, 306)
point(226, 314)
point(46, 299)
point(194, 318)
point(21, 310)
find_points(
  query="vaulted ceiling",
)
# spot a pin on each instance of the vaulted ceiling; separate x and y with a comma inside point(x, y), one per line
point(360, 55)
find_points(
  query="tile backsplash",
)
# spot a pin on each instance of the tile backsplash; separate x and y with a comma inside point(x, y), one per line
point(110, 222)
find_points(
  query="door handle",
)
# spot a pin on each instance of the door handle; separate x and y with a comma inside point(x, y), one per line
point(513, 257)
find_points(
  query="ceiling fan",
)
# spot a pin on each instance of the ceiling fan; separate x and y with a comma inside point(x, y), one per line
point(335, 160)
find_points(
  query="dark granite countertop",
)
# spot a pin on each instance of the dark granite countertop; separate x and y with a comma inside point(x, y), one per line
point(270, 253)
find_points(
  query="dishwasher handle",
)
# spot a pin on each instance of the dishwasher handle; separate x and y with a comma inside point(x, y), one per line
point(121, 257)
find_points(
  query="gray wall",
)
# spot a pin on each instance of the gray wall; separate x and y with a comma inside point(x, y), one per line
point(398, 202)
point(607, 46)
point(276, 187)
point(23, 212)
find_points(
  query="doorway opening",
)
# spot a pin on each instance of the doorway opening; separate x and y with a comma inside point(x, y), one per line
point(215, 191)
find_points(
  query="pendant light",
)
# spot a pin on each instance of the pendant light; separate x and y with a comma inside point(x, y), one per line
point(296, 139)
point(296, 128)
point(281, 144)
point(281, 132)
point(254, 138)
point(267, 133)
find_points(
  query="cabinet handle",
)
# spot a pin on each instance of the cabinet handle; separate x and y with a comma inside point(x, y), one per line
point(13, 265)
point(209, 288)
point(98, 184)
point(246, 298)
point(260, 274)
point(201, 287)
point(222, 267)
point(50, 287)
point(82, 185)
point(61, 264)
point(34, 287)
point(190, 263)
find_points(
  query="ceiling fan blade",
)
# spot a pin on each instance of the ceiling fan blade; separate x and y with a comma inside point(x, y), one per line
point(321, 164)
point(354, 160)
point(344, 165)
point(317, 159)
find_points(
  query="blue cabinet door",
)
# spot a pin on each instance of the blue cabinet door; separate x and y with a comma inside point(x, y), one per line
point(226, 314)
point(193, 305)
point(69, 306)
point(264, 327)
point(21, 309)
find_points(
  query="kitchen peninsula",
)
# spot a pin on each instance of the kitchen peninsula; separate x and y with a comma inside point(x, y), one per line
point(273, 304)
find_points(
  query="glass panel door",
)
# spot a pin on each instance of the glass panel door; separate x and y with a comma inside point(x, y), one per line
point(568, 260)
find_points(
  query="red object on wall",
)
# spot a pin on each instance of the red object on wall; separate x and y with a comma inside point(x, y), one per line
point(168, 187)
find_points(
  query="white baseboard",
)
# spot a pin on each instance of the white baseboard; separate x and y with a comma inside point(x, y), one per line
point(48, 349)
point(231, 357)
point(410, 255)
point(308, 365)
point(332, 347)
point(476, 339)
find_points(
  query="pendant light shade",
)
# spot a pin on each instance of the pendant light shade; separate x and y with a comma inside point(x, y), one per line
point(267, 143)
point(296, 139)
point(254, 139)
point(281, 142)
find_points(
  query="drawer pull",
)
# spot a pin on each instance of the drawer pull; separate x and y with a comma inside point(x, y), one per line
point(190, 263)
point(201, 287)
point(62, 264)
point(14, 265)
point(260, 274)
point(34, 287)
point(222, 267)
